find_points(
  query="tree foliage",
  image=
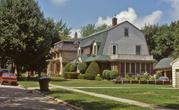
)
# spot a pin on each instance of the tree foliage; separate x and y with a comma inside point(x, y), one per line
point(91, 28)
point(163, 40)
point(26, 35)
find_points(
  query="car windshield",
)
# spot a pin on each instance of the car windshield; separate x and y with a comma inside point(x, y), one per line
point(8, 74)
point(4, 71)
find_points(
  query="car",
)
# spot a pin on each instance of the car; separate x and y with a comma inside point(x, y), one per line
point(7, 78)
point(163, 78)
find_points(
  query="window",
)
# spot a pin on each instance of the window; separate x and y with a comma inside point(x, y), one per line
point(114, 49)
point(79, 51)
point(95, 48)
point(126, 32)
point(138, 49)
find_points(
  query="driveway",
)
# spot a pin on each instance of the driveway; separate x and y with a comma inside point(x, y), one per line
point(16, 98)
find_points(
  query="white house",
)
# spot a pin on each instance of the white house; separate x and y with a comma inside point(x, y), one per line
point(175, 73)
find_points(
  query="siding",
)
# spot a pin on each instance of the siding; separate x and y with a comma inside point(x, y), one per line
point(126, 45)
point(175, 66)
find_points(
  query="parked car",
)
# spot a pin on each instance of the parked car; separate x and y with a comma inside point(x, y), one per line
point(7, 78)
point(163, 78)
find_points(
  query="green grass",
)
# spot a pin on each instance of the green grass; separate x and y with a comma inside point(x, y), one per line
point(90, 103)
point(162, 95)
point(27, 84)
point(94, 83)
point(157, 97)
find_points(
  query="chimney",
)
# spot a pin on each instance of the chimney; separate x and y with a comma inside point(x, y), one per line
point(114, 21)
point(76, 35)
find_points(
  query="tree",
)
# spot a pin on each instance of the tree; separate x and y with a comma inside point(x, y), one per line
point(26, 36)
point(91, 28)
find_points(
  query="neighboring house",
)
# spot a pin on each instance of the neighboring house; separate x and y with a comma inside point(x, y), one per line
point(122, 47)
point(164, 67)
point(175, 73)
point(62, 53)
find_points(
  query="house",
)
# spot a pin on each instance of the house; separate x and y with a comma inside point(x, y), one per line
point(62, 53)
point(122, 47)
point(175, 73)
point(164, 67)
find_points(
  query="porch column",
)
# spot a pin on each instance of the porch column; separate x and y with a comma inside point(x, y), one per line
point(140, 68)
point(145, 67)
point(129, 67)
point(135, 68)
point(61, 66)
point(124, 69)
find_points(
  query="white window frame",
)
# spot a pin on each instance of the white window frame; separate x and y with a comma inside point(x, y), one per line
point(95, 48)
point(116, 49)
point(79, 51)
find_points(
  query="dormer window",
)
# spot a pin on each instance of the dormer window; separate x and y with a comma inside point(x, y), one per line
point(95, 48)
point(79, 51)
point(126, 32)
point(114, 49)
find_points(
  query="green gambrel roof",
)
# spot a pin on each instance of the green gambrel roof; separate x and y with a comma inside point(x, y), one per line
point(164, 63)
point(86, 58)
point(99, 38)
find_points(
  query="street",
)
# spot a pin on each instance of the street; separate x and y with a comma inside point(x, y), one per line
point(17, 98)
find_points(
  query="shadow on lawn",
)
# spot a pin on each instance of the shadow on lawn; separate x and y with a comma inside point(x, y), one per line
point(96, 105)
point(87, 103)
point(173, 106)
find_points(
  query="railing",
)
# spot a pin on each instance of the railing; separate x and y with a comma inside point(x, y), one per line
point(132, 57)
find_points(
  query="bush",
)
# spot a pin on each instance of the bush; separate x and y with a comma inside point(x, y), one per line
point(110, 74)
point(113, 74)
point(157, 75)
point(81, 76)
point(98, 77)
point(106, 74)
point(70, 75)
point(82, 67)
point(92, 71)
point(70, 67)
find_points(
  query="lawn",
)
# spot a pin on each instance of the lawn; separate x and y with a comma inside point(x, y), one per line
point(90, 103)
point(27, 84)
point(94, 83)
point(157, 95)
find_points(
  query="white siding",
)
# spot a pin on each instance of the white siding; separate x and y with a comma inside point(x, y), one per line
point(175, 74)
point(126, 45)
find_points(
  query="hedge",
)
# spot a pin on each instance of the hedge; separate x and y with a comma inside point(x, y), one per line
point(92, 71)
point(109, 74)
point(71, 75)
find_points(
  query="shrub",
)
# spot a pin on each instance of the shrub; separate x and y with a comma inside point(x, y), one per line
point(70, 67)
point(82, 67)
point(81, 76)
point(157, 75)
point(92, 71)
point(98, 77)
point(113, 74)
point(71, 75)
point(109, 74)
point(67, 67)
point(106, 74)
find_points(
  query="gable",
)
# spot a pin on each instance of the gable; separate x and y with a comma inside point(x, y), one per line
point(127, 45)
point(99, 38)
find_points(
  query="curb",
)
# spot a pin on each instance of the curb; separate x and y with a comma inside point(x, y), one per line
point(53, 98)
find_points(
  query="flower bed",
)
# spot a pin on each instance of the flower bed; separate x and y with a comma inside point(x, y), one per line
point(142, 82)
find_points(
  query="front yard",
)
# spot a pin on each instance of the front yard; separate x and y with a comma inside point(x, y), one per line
point(156, 95)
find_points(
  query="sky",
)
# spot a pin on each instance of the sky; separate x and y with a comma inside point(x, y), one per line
point(78, 13)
